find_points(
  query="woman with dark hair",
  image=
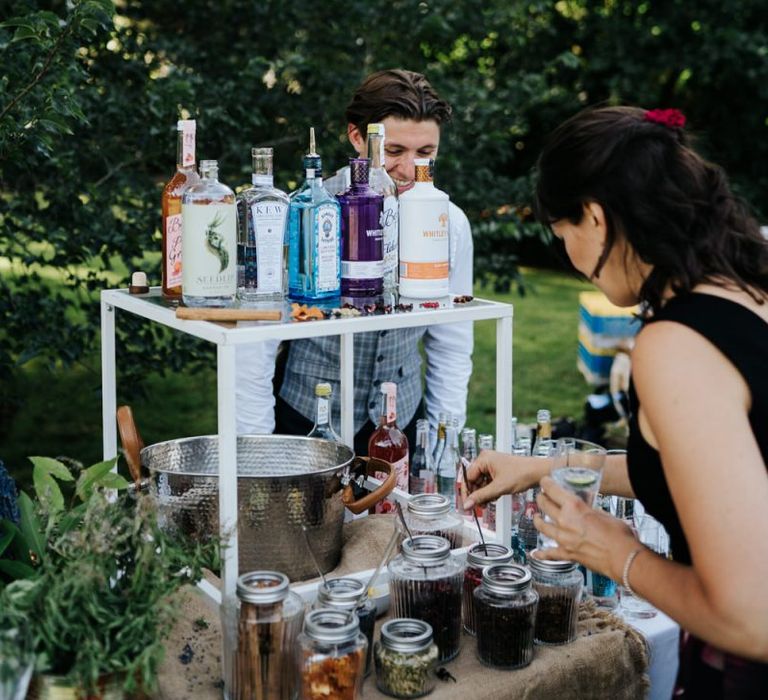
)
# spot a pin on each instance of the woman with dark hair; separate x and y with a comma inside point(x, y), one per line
point(649, 221)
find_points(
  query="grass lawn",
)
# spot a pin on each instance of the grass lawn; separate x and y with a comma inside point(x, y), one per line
point(61, 414)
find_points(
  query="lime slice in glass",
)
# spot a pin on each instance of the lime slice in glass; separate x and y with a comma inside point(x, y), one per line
point(580, 481)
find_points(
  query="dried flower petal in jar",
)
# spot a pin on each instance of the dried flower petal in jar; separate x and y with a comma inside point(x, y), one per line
point(478, 557)
point(431, 514)
point(505, 605)
point(331, 656)
point(425, 583)
point(269, 621)
point(405, 658)
point(559, 585)
point(345, 594)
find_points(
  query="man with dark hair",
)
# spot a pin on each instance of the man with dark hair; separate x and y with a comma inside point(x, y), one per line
point(412, 114)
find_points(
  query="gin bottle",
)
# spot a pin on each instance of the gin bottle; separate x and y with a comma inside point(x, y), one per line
point(209, 218)
point(446, 467)
point(389, 443)
point(442, 422)
point(262, 216)
point(424, 237)
point(314, 240)
point(543, 445)
point(322, 427)
point(422, 476)
point(382, 183)
point(184, 176)
point(362, 251)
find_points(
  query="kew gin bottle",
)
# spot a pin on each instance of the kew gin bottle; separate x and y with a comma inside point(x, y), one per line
point(362, 251)
point(382, 184)
point(424, 237)
point(314, 240)
point(209, 217)
point(322, 427)
point(389, 443)
point(262, 215)
point(184, 176)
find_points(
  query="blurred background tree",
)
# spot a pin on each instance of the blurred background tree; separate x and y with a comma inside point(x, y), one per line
point(91, 90)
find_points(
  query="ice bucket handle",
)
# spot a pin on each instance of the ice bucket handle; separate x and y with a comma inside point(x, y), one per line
point(369, 466)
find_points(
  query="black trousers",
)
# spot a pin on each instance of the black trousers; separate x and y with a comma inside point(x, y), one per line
point(288, 421)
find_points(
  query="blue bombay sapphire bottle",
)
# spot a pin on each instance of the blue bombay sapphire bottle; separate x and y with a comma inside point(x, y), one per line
point(314, 236)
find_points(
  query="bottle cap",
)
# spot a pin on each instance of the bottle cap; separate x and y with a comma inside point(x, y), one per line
point(323, 389)
point(376, 129)
point(139, 284)
point(388, 388)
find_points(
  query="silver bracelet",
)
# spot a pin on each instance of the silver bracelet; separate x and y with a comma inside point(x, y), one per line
point(627, 565)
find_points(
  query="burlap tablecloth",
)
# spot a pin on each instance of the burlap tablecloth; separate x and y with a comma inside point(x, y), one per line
point(609, 660)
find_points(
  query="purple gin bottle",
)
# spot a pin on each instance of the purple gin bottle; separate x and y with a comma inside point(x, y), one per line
point(362, 236)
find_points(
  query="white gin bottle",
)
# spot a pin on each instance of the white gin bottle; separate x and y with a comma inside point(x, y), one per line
point(262, 216)
point(424, 237)
point(209, 240)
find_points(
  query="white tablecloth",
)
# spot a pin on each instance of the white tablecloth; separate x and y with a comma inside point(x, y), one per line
point(663, 635)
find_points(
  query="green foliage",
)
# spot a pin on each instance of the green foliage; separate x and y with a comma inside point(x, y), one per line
point(90, 93)
point(90, 591)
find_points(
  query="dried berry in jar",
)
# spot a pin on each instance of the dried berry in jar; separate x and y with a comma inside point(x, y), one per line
point(479, 556)
point(559, 585)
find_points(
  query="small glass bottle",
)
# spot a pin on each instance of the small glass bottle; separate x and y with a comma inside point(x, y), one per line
point(349, 594)
point(269, 617)
point(422, 477)
point(262, 215)
point(424, 237)
point(603, 589)
point(406, 658)
point(185, 176)
point(431, 514)
point(506, 605)
point(382, 183)
point(362, 237)
point(559, 585)
point(314, 236)
point(468, 453)
point(322, 427)
point(331, 656)
point(442, 423)
point(389, 443)
point(485, 442)
point(478, 557)
point(446, 467)
point(425, 583)
point(543, 445)
point(209, 240)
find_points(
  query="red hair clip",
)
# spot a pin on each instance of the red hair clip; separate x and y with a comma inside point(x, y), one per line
point(671, 118)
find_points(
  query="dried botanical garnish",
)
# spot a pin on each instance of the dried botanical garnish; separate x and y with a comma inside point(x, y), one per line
point(463, 299)
point(302, 312)
point(332, 678)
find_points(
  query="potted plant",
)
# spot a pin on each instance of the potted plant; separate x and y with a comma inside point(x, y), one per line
point(88, 581)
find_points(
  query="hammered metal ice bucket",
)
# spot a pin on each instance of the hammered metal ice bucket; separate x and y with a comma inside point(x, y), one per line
point(283, 482)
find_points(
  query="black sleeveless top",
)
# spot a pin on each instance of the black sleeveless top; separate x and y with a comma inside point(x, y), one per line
point(742, 336)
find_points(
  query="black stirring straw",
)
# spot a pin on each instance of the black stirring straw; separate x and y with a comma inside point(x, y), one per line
point(312, 554)
point(474, 514)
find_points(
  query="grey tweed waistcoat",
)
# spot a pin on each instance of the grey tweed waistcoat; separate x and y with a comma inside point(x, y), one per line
point(382, 356)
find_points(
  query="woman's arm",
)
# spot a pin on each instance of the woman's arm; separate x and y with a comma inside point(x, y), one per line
point(694, 407)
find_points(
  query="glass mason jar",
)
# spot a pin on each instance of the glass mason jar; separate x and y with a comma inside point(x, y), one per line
point(425, 583)
point(405, 658)
point(269, 617)
point(505, 605)
point(431, 514)
point(345, 594)
point(478, 557)
point(331, 656)
point(559, 585)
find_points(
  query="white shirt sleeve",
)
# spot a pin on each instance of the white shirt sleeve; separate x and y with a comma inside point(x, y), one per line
point(254, 400)
point(449, 346)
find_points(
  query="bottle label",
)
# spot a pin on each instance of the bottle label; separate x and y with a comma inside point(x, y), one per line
point(322, 412)
point(424, 239)
point(173, 228)
point(327, 262)
point(391, 407)
point(401, 482)
point(389, 225)
point(424, 271)
point(188, 143)
point(358, 270)
point(210, 249)
point(269, 229)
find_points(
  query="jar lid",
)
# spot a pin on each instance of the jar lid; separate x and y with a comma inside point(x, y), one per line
point(406, 634)
point(429, 505)
point(426, 549)
point(340, 593)
point(506, 578)
point(262, 587)
point(480, 554)
point(331, 625)
point(550, 566)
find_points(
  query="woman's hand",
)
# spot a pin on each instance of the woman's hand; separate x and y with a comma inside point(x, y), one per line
point(591, 537)
point(495, 474)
